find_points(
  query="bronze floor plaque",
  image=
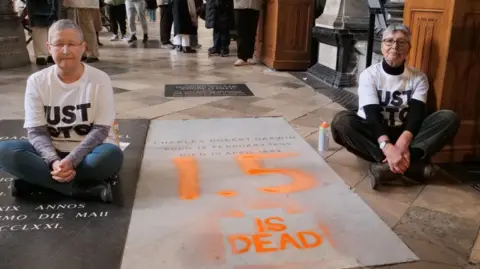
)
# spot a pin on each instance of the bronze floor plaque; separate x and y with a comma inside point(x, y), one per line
point(206, 90)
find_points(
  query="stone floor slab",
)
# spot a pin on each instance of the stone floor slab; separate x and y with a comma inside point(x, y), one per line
point(199, 184)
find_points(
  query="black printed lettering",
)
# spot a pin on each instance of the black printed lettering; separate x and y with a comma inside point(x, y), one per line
point(84, 110)
point(56, 115)
point(69, 115)
point(402, 115)
point(408, 94)
point(396, 98)
point(82, 129)
point(65, 131)
point(53, 131)
point(386, 101)
point(391, 115)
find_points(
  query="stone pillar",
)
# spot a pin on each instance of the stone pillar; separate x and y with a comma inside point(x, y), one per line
point(13, 48)
point(341, 25)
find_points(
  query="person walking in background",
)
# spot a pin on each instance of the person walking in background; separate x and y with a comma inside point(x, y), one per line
point(200, 8)
point(84, 12)
point(185, 21)
point(42, 14)
point(152, 10)
point(166, 23)
point(118, 17)
point(247, 13)
point(134, 8)
point(219, 17)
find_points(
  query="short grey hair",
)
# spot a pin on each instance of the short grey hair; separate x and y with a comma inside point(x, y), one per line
point(61, 25)
point(394, 27)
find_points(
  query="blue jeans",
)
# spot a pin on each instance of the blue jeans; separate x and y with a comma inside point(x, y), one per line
point(21, 160)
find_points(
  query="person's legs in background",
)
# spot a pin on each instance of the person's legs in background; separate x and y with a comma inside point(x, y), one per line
point(166, 22)
point(121, 13)
point(140, 8)
point(241, 25)
point(84, 18)
point(131, 14)
point(252, 23)
point(194, 39)
point(224, 42)
point(97, 21)
point(39, 38)
point(216, 49)
point(114, 21)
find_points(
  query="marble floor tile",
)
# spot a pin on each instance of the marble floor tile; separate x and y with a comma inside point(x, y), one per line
point(436, 236)
point(475, 253)
point(346, 158)
point(458, 200)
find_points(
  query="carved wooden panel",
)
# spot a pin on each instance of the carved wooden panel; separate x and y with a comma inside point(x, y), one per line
point(286, 34)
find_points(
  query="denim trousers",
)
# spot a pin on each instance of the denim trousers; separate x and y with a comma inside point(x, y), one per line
point(21, 160)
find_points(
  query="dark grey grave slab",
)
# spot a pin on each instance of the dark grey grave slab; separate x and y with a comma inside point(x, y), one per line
point(199, 90)
point(56, 232)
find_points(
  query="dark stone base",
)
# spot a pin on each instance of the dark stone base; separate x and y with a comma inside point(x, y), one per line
point(344, 40)
point(331, 77)
point(55, 232)
point(13, 48)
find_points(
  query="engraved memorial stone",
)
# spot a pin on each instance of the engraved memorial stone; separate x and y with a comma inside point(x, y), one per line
point(54, 232)
point(248, 193)
point(197, 90)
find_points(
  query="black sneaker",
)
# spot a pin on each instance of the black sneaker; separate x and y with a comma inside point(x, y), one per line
point(132, 39)
point(213, 52)
point(101, 191)
point(380, 173)
point(145, 38)
point(50, 60)
point(421, 172)
point(21, 188)
point(225, 53)
point(188, 50)
point(91, 59)
point(41, 61)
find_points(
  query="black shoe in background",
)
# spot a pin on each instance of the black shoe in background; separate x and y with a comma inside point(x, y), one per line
point(145, 38)
point(91, 59)
point(188, 50)
point(41, 61)
point(213, 52)
point(132, 39)
point(50, 60)
point(225, 53)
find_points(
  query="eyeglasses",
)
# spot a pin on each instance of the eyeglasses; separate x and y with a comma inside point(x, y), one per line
point(400, 43)
point(61, 46)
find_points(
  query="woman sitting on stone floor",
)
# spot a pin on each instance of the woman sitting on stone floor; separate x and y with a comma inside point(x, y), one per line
point(69, 112)
point(391, 128)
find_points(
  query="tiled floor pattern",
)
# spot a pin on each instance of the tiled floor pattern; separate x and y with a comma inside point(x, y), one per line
point(439, 221)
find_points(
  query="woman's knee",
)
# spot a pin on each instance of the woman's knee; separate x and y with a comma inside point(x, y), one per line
point(342, 122)
point(12, 150)
point(106, 155)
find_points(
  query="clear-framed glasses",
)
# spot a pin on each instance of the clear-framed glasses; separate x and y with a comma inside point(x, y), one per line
point(59, 46)
point(400, 42)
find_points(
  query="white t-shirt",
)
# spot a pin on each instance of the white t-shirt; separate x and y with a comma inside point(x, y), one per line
point(69, 110)
point(392, 92)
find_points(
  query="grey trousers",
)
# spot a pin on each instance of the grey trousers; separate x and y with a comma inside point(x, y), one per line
point(357, 136)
